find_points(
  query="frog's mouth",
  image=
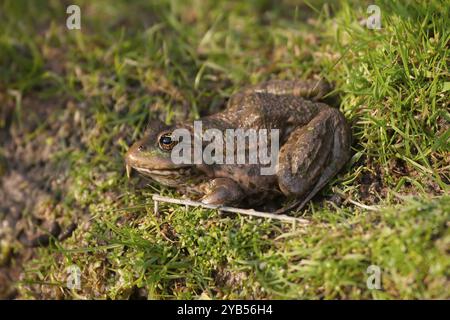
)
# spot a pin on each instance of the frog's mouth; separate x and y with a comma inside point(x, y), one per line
point(182, 171)
point(156, 166)
point(159, 167)
point(173, 177)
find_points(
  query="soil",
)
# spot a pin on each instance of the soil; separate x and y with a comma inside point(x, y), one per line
point(31, 186)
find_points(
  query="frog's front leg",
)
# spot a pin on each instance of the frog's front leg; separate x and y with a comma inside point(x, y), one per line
point(313, 154)
point(222, 191)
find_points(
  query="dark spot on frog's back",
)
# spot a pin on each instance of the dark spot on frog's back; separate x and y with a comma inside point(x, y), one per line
point(253, 171)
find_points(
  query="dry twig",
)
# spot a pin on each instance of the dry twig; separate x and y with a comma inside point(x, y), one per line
point(250, 212)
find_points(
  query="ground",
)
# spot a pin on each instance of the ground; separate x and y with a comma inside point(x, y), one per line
point(72, 101)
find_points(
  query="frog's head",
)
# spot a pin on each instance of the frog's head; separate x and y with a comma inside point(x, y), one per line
point(151, 157)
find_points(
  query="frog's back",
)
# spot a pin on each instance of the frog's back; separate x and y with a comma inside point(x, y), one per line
point(261, 110)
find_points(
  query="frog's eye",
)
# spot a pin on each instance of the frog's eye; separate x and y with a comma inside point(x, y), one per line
point(166, 142)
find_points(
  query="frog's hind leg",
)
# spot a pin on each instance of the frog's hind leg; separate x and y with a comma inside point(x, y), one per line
point(312, 155)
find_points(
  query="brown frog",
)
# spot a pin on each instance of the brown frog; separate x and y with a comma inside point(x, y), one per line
point(314, 141)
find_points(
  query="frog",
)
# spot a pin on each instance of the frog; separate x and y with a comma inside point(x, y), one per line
point(314, 140)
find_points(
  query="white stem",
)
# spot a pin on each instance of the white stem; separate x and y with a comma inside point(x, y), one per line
point(361, 205)
point(249, 212)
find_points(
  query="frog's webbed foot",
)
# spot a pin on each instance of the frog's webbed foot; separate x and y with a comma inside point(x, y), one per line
point(312, 155)
point(222, 191)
